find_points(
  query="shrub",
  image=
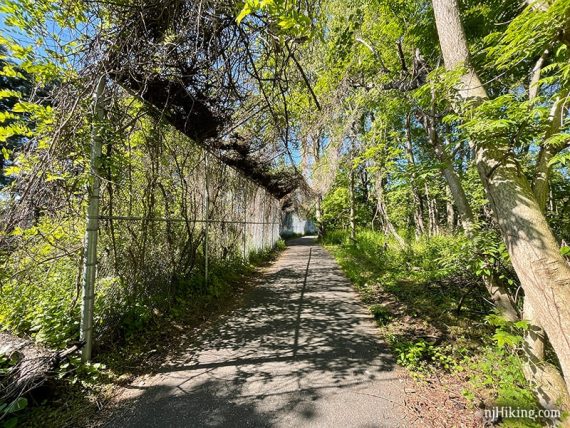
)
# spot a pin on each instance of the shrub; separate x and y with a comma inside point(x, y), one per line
point(335, 237)
point(422, 357)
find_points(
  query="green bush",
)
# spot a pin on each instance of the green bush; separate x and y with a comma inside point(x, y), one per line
point(40, 281)
point(496, 375)
point(434, 284)
point(421, 357)
point(39, 289)
point(335, 237)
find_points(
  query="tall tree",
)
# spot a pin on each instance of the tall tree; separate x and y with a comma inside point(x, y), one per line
point(544, 274)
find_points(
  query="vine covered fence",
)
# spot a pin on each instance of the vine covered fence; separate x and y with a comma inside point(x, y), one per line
point(174, 223)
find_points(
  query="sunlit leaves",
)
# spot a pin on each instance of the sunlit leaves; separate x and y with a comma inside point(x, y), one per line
point(284, 14)
point(530, 33)
point(507, 121)
point(14, 129)
point(32, 15)
point(9, 93)
point(562, 158)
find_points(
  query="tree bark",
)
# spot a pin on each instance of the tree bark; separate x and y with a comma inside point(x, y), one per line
point(533, 86)
point(382, 209)
point(547, 382)
point(541, 186)
point(432, 212)
point(34, 366)
point(541, 181)
point(450, 210)
point(544, 275)
point(319, 210)
point(501, 297)
point(452, 179)
point(418, 202)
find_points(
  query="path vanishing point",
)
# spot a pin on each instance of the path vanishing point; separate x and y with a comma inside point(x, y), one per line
point(302, 351)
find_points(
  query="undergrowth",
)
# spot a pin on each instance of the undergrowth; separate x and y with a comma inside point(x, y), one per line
point(431, 308)
point(143, 336)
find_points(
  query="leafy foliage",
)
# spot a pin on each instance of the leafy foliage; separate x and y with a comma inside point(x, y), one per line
point(350, 95)
point(407, 293)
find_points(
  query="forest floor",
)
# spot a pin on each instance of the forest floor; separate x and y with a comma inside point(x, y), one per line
point(302, 350)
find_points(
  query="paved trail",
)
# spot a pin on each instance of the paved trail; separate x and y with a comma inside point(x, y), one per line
point(301, 352)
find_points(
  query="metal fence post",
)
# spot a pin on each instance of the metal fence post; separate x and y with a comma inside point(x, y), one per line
point(91, 232)
point(245, 223)
point(264, 207)
point(207, 221)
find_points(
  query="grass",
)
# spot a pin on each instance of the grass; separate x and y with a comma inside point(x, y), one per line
point(77, 396)
point(432, 310)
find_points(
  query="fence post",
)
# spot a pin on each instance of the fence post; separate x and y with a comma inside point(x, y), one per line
point(92, 229)
point(275, 226)
point(264, 207)
point(207, 221)
point(245, 223)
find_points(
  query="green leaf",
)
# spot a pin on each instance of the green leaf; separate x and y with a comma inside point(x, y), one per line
point(504, 338)
point(287, 23)
point(17, 405)
point(246, 11)
point(11, 423)
point(561, 158)
point(9, 93)
point(522, 324)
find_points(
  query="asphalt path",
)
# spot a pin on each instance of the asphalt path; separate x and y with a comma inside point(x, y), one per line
point(302, 351)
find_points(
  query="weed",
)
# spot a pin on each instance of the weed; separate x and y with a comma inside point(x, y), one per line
point(422, 357)
point(438, 321)
point(381, 314)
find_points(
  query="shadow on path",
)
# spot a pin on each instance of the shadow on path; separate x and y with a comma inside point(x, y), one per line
point(302, 351)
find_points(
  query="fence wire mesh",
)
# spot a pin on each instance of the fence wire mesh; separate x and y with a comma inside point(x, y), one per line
point(174, 224)
point(148, 227)
point(176, 218)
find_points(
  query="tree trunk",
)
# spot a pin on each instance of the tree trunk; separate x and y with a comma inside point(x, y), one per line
point(389, 228)
point(547, 382)
point(450, 210)
point(319, 209)
point(452, 179)
point(502, 299)
point(544, 275)
point(418, 202)
point(547, 152)
point(34, 366)
point(432, 211)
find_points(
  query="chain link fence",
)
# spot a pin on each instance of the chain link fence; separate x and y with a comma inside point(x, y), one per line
point(176, 227)
point(174, 220)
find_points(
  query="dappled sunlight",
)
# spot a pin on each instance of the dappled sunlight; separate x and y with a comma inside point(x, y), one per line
point(299, 347)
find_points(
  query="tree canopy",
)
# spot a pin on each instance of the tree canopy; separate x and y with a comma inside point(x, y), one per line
point(422, 120)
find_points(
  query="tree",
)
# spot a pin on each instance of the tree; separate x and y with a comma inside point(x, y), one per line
point(544, 274)
point(15, 84)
